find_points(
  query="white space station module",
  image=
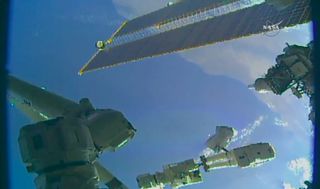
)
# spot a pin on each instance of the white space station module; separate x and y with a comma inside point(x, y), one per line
point(188, 172)
point(64, 143)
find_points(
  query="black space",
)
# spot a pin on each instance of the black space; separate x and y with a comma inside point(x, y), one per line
point(4, 7)
point(316, 21)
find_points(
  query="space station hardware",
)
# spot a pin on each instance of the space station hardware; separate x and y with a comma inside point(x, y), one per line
point(189, 24)
point(64, 144)
point(293, 70)
point(221, 139)
point(188, 172)
point(177, 175)
point(252, 155)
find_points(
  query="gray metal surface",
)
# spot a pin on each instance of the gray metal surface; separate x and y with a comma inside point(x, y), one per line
point(246, 22)
point(37, 103)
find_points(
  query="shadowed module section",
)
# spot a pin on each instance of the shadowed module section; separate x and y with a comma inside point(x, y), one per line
point(206, 24)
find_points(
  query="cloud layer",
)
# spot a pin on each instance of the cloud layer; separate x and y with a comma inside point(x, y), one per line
point(133, 8)
point(301, 167)
point(288, 186)
point(245, 133)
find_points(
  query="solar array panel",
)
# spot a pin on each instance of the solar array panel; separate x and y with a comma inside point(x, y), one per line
point(178, 22)
point(249, 21)
point(173, 11)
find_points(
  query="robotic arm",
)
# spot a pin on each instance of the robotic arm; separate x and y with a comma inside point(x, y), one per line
point(188, 172)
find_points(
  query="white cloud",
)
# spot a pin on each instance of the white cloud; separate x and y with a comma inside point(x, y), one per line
point(288, 186)
point(133, 8)
point(301, 167)
point(246, 132)
point(232, 58)
point(292, 113)
point(280, 122)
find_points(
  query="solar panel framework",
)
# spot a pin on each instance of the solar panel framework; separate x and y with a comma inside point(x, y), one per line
point(245, 22)
point(184, 8)
point(121, 37)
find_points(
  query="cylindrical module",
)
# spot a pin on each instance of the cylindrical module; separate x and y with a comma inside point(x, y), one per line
point(219, 161)
point(247, 156)
point(176, 175)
